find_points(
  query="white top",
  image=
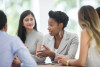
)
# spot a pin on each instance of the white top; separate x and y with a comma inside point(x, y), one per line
point(55, 50)
point(93, 59)
point(11, 45)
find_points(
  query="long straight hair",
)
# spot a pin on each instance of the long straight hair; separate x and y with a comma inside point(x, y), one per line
point(21, 29)
point(89, 19)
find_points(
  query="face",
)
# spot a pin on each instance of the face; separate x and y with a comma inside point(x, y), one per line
point(53, 27)
point(28, 22)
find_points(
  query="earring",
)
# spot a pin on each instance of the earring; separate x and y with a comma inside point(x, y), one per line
point(60, 34)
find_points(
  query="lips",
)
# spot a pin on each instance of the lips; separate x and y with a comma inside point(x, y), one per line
point(29, 25)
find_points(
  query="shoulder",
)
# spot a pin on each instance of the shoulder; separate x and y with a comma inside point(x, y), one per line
point(84, 35)
point(84, 32)
point(15, 38)
point(39, 34)
point(71, 35)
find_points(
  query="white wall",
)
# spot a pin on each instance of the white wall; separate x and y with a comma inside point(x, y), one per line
point(45, 6)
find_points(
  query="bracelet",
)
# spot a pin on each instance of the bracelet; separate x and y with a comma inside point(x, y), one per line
point(68, 61)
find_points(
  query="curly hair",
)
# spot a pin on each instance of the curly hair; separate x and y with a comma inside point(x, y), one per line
point(59, 17)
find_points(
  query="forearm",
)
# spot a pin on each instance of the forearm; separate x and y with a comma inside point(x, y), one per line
point(75, 62)
point(38, 59)
point(25, 57)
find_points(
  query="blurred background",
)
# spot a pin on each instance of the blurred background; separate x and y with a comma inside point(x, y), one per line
point(40, 8)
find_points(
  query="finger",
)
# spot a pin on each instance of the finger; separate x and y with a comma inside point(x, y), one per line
point(40, 51)
point(46, 47)
point(59, 57)
point(39, 54)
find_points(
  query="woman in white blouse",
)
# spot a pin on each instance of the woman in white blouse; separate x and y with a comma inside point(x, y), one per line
point(90, 40)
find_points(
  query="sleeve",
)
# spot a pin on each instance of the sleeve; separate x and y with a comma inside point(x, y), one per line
point(23, 53)
point(38, 59)
point(73, 47)
point(40, 39)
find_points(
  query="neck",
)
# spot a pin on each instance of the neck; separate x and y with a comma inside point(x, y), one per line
point(57, 37)
point(3, 29)
point(29, 30)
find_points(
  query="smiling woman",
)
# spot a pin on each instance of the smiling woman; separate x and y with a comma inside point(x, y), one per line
point(28, 33)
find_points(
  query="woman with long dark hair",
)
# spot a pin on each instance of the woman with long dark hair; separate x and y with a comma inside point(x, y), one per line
point(27, 31)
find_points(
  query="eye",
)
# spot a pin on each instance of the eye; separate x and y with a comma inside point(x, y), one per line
point(31, 19)
point(26, 20)
point(51, 25)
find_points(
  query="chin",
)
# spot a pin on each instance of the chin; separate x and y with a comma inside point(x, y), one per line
point(30, 27)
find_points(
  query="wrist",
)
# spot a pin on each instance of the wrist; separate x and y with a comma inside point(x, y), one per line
point(68, 62)
point(52, 55)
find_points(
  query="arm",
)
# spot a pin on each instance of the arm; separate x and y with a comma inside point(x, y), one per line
point(73, 47)
point(39, 43)
point(38, 48)
point(84, 45)
point(25, 57)
point(23, 53)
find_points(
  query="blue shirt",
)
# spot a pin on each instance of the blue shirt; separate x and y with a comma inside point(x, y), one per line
point(11, 45)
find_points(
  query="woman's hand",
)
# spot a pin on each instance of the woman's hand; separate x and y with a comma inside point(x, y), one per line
point(45, 53)
point(62, 59)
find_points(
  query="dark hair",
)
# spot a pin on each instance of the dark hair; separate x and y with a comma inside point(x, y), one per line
point(98, 11)
point(3, 19)
point(21, 29)
point(60, 17)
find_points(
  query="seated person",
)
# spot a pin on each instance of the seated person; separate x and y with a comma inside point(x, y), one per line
point(28, 33)
point(11, 45)
point(90, 40)
point(58, 41)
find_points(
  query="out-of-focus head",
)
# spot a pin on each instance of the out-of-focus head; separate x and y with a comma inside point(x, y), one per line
point(27, 20)
point(3, 21)
point(98, 11)
point(88, 17)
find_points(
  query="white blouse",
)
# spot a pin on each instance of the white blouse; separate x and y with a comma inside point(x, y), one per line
point(93, 59)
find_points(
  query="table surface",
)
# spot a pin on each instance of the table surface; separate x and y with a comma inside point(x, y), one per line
point(55, 66)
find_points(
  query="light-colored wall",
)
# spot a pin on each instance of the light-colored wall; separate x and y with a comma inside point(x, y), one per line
point(45, 6)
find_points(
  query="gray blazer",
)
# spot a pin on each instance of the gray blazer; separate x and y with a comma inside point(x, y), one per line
point(67, 47)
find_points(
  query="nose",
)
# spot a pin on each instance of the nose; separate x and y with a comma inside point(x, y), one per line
point(30, 21)
point(49, 28)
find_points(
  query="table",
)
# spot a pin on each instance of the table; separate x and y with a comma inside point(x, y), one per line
point(55, 66)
